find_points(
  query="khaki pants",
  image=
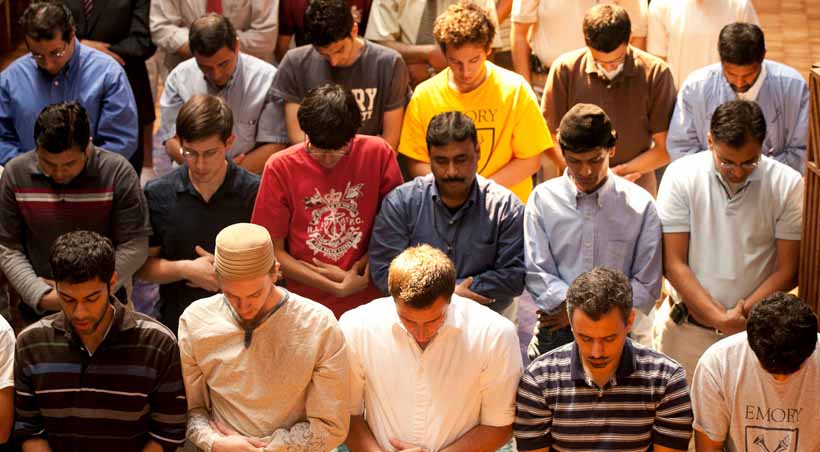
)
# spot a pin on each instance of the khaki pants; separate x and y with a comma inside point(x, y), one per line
point(684, 343)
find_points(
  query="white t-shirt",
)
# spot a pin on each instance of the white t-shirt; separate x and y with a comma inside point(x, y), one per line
point(732, 241)
point(7, 341)
point(736, 401)
point(685, 32)
point(467, 375)
point(559, 23)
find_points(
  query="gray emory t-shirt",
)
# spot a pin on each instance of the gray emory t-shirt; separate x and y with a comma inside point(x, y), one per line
point(378, 80)
point(736, 401)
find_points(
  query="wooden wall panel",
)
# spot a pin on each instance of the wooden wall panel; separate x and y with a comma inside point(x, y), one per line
point(810, 243)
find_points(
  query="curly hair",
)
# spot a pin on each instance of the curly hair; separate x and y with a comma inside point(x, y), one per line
point(328, 21)
point(464, 23)
point(598, 291)
point(782, 332)
point(80, 256)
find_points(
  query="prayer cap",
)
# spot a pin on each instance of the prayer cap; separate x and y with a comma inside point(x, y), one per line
point(243, 251)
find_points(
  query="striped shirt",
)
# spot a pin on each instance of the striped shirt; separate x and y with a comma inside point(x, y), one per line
point(126, 393)
point(645, 402)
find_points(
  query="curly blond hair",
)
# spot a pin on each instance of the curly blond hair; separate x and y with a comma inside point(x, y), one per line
point(464, 23)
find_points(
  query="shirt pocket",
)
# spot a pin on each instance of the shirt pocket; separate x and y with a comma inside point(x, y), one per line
point(480, 257)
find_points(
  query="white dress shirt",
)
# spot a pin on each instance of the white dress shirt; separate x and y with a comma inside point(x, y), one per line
point(466, 376)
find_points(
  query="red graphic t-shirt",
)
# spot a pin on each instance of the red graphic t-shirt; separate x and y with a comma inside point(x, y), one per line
point(327, 213)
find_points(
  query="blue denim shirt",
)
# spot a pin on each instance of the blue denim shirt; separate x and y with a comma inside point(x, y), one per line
point(484, 237)
point(91, 78)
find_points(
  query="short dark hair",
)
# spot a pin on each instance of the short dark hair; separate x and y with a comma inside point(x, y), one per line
point(450, 127)
point(742, 44)
point(420, 275)
point(598, 291)
point(782, 332)
point(80, 256)
point(736, 121)
point(43, 20)
point(63, 126)
point(606, 27)
point(329, 116)
point(464, 23)
point(210, 33)
point(328, 21)
point(202, 117)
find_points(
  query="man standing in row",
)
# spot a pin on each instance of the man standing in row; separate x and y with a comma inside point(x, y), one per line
point(731, 220)
point(319, 200)
point(511, 132)
point(376, 75)
point(743, 73)
point(634, 88)
point(264, 369)
point(602, 392)
point(474, 221)
point(64, 185)
point(96, 375)
point(587, 218)
point(60, 69)
point(457, 364)
point(220, 68)
point(192, 204)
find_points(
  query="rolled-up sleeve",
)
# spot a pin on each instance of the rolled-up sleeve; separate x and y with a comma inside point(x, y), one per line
point(165, 32)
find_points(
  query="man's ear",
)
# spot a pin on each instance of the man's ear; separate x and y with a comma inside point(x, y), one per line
point(709, 139)
point(113, 281)
point(630, 320)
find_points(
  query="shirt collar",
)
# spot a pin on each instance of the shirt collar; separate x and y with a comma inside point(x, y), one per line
point(630, 68)
point(184, 185)
point(756, 175)
point(602, 195)
point(472, 199)
point(626, 366)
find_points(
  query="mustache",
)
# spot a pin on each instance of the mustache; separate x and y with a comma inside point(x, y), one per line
point(453, 179)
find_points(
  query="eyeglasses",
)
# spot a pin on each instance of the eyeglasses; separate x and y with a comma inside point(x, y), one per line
point(748, 166)
point(54, 54)
point(317, 152)
point(193, 155)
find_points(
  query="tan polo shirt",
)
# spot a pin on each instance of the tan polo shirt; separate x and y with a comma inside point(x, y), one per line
point(639, 101)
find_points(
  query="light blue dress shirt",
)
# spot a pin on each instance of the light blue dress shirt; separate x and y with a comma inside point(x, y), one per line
point(784, 99)
point(91, 78)
point(257, 119)
point(567, 232)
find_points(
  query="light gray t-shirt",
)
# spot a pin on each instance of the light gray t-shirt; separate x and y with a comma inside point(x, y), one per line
point(736, 401)
point(378, 80)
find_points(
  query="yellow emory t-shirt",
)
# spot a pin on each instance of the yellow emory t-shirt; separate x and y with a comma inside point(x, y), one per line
point(506, 116)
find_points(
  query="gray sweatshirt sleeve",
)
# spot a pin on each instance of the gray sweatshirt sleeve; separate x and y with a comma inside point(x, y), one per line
point(22, 277)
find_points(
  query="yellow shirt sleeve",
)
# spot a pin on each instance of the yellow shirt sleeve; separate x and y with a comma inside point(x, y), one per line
point(413, 142)
point(531, 135)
